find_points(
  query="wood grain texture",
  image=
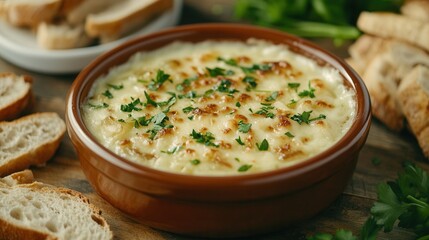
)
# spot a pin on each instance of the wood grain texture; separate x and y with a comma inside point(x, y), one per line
point(349, 211)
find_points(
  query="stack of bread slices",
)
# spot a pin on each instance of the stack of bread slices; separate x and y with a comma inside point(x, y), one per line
point(30, 209)
point(392, 58)
point(64, 24)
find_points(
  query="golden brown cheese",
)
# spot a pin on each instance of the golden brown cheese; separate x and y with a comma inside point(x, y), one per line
point(219, 108)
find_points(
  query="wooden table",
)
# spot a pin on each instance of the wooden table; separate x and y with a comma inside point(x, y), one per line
point(349, 211)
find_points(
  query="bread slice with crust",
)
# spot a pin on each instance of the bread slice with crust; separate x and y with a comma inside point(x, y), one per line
point(390, 25)
point(61, 36)
point(22, 177)
point(363, 50)
point(29, 13)
point(40, 211)
point(413, 95)
point(15, 95)
point(123, 17)
point(30, 140)
point(416, 9)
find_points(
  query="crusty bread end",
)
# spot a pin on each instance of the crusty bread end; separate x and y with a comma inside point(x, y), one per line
point(15, 95)
point(27, 13)
point(30, 140)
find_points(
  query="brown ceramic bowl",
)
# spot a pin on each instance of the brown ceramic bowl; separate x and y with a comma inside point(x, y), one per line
point(217, 206)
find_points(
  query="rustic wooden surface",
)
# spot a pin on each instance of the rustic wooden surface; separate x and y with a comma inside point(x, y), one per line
point(349, 211)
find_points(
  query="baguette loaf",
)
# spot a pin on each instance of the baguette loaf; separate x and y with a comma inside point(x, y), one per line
point(389, 25)
point(39, 211)
point(15, 95)
point(413, 94)
point(123, 17)
point(29, 13)
point(30, 140)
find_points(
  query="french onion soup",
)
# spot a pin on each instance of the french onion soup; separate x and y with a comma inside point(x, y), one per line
point(219, 108)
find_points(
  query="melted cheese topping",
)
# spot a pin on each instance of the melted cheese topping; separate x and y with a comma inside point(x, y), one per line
point(219, 108)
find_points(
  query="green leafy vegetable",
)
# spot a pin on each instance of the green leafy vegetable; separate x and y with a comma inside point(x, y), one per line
point(116, 87)
point(160, 78)
point(132, 106)
point(265, 111)
point(206, 139)
point(263, 146)
point(244, 127)
point(224, 86)
point(289, 134)
point(103, 105)
point(107, 94)
point(217, 71)
point(244, 168)
point(404, 202)
point(272, 97)
point(304, 117)
point(251, 82)
point(308, 93)
point(239, 141)
point(195, 162)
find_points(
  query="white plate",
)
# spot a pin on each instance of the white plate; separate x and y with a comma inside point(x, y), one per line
point(19, 46)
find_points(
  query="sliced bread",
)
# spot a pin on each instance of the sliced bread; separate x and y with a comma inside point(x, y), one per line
point(30, 140)
point(61, 36)
point(413, 94)
point(77, 14)
point(123, 17)
point(25, 176)
point(40, 211)
point(29, 13)
point(15, 95)
point(417, 10)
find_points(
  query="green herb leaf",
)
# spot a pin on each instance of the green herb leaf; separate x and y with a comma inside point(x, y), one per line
point(107, 94)
point(230, 62)
point(103, 105)
point(186, 83)
point(305, 117)
point(292, 103)
point(294, 85)
point(244, 127)
point(159, 118)
point(188, 109)
point(172, 150)
point(206, 139)
point(244, 168)
point(224, 87)
point(308, 93)
point(238, 104)
point(256, 67)
point(263, 146)
point(160, 78)
point(150, 100)
point(195, 162)
point(116, 87)
point(132, 106)
point(289, 134)
point(214, 72)
point(265, 111)
point(272, 97)
point(251, 82)
point(239, 141)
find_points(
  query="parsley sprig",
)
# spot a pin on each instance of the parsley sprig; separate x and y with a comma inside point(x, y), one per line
point(206, 138)
point(160, 78)
point(304, 117)
point(404, 201)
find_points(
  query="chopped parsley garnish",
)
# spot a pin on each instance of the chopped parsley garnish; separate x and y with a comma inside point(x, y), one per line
point(195, 162)
point(292, 103)
point(150, 100)
point(190, 95)
point(116, 87)
point(217, 71)
point(159, 121)
point(206, 139)
point(272, 97)
point(308, 93)
point(172, 150)
point(251, 82)
point(265, 111)
point(244, 127)
point(230, 62)
point(255, 67)
point(239, 141)
point(107, 94)
point(289, 134)
point(159, 118)
point(237, 159)
point(191, 117)
point(132, 106)
point(305, 117)
point(263, 146)
point(160, 78)
point(188, 109)
point(186, 83)
point(143, 121)
point(244, 168)
point(103, 105)
point(238, 104)
point(224, 87)
point(294, 85)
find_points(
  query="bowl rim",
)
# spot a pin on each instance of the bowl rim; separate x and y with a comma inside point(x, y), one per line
point(357, 130)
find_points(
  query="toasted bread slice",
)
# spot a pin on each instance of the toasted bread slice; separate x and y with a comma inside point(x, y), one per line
point(29, 13)
point(61, 36)
point(413, 95)
point(389, 25)
point(40, 211)
point(364, 50)
point(124, 17)
point(30, 140)
point(416, 9)
point(78, 13)
point(15, 95)
point(383, 75)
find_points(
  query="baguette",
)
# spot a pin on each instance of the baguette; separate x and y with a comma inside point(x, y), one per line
point(25, 176)
point(389, 25)
point(15, 95)
point(61, 36)
point(123, 18)
point(30, 140)
point(40, 211)
point(29, 13)
point(413, 94)
point(79, 12)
